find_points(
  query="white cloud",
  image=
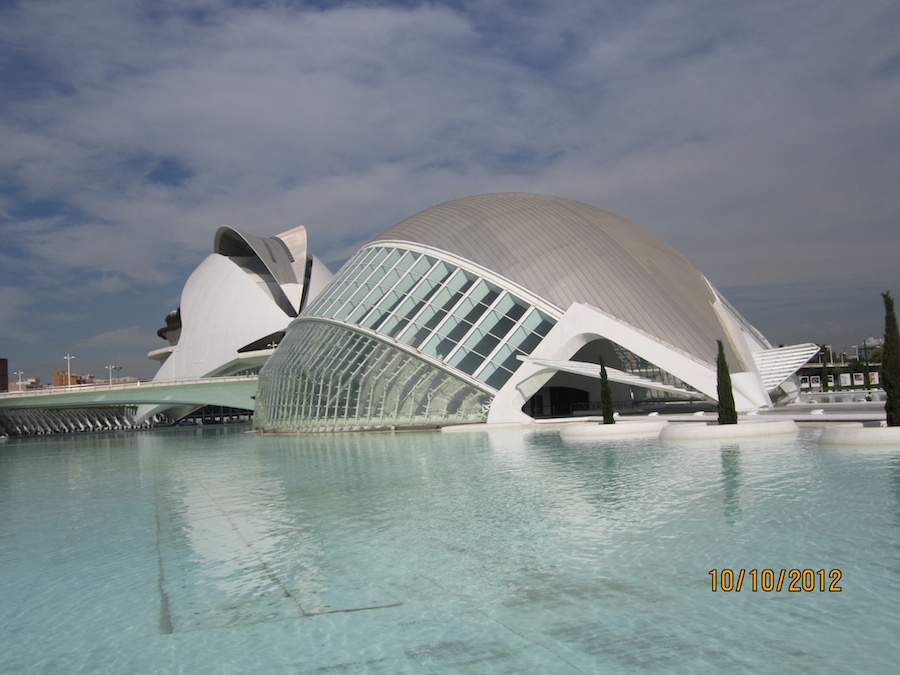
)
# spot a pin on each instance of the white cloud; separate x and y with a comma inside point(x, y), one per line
point(13, 303)
point(760, 139)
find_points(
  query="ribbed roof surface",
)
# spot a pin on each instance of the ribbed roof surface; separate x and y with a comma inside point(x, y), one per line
point(273, 252)
point(566, 251)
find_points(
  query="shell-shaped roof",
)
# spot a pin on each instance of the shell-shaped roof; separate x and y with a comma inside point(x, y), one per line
point(566, 251)
point(272, 251)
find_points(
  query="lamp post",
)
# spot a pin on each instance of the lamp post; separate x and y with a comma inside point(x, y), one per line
point(111, 368)
point(68, 358)
point(19, 380)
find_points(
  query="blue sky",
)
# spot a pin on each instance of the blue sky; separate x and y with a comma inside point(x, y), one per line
point(760, 139)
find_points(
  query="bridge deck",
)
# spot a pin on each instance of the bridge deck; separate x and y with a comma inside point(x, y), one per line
point(235, 392)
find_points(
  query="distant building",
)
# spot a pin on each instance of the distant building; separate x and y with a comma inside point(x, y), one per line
point(495, 309)
point(25, 384)
point(4, 374)
point(74, 379)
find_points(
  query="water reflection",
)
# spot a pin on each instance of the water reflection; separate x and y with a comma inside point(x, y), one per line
point(731, 482)
point(232, 549)
point(488, 551)
point(895, 485)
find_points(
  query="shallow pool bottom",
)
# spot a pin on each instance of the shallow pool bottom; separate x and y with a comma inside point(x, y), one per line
point(505, 551)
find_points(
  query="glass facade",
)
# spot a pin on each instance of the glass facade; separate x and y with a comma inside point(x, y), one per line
point(328, 377)
point(475, 328)
point(633, 364)
point(437, 308)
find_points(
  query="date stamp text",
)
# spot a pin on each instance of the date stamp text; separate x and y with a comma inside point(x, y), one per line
point(774, 580)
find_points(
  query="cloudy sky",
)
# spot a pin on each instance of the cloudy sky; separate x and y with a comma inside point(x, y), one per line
point(761, 139)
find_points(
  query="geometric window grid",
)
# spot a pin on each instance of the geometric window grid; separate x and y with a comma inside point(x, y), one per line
point(329, 377)
point(433, 306)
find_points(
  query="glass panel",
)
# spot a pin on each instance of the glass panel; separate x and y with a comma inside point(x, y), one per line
point(388, 277)
point(356, 316)
point(406, 282)
point(443, 301)
point(458, 330)
point(469, 362)
point(498, 378)
point(385, 305)
point(439, 346)
point(507, 358)
point(501, 327)
point(410, 307)
point(370, 254)
point(480, 291)
point(374, 319)
point(415, 335)
point(481, 342)
point(440, 272)
point(392, 325)
point(423, 264)
point(362, 290)
point(525, 340)
point(329, 378)
point(461, 281)
point(392, 257)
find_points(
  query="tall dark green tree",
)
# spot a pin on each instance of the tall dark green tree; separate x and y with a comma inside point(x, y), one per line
point(824, 349)
point(890, 363)
point(727, 411)
point(609, 417)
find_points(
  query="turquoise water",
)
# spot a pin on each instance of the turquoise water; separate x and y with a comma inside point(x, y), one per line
point(219, 551)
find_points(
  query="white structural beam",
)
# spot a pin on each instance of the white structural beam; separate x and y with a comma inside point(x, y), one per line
point(582, 324)
point(614, 375)
point(777, 365)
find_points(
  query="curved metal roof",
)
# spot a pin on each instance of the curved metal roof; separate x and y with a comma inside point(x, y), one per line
point(273, 252)
point(566, 251)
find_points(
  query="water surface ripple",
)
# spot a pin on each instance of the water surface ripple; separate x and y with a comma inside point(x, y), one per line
point(215, 550)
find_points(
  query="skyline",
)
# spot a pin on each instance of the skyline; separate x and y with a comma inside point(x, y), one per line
point(761, 141)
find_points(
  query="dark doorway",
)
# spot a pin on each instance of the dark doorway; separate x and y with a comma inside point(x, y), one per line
point(563, 402)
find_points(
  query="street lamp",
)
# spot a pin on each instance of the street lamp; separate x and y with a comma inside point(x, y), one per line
point(68, 358)
point(19, 380)
point(111, 368)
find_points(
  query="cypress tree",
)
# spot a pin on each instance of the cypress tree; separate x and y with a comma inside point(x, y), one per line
point(606, 395)
point(727, 412)
point(890, 363)
point(824, 349)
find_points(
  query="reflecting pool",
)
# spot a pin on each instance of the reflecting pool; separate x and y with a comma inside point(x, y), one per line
point(217, 550)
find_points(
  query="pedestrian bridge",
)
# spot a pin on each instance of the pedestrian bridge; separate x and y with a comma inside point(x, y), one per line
point(235, 392)
point(97, 407)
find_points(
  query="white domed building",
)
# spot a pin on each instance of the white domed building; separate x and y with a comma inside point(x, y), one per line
point(496, 308)
point(235, 308)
